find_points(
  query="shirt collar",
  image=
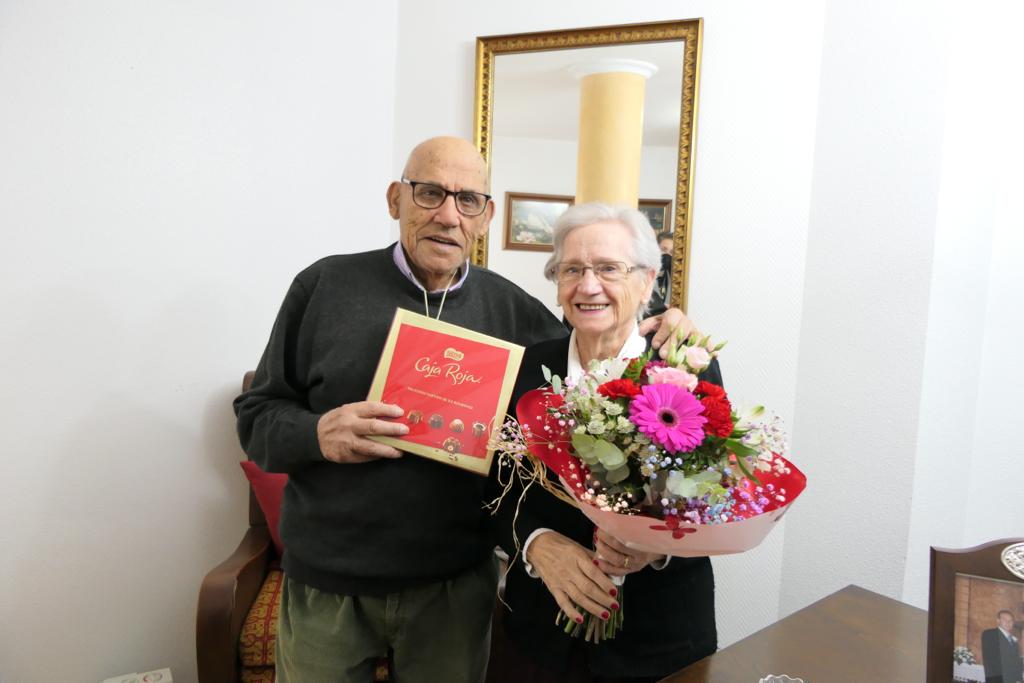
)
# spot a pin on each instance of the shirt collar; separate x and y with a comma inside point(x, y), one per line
point(634, 346)
point(403, 265)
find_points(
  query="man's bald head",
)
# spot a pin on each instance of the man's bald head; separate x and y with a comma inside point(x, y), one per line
point(438, 241)
point(448, 154)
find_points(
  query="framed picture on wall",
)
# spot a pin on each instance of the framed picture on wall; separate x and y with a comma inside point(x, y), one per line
point(530, 219)
point(976, 613)
point(658, 212)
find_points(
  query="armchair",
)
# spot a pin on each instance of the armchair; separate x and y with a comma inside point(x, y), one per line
point(226, 595)
point(237, 610)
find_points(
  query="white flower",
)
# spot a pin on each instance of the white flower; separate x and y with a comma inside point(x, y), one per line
point(697, 358)
point(611, 408)
point(624, 426)
point(748, 417)
point(605, 370)
point(596, 426)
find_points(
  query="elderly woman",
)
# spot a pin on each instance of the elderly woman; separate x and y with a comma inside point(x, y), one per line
point(604, 263)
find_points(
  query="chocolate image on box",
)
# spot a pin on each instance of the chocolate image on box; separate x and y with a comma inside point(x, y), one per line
point(452, 445)
point(478, 429)
point(456, 426)
point(414, 417)
point(436, 421)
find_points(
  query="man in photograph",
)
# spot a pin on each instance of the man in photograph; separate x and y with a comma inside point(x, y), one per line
point(1000, 651)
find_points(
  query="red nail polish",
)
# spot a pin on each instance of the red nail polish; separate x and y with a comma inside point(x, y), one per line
point(596, 563)
point(613, 592)
point(615, 605)
point(579, 620)
point(605, 615)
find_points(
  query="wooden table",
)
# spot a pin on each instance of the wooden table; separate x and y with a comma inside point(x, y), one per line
point(851, 636)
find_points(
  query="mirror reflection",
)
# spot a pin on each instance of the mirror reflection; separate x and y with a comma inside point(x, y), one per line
point(529, 128)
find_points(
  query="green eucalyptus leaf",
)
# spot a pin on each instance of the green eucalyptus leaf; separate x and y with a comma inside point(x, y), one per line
point(609, 455)
point(546, 372)
point(618, 474)
point(679, 485)
point(708, 476)
point(584, 445)
point(556, 384)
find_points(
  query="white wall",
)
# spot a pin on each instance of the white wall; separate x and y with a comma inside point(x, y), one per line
point(165, 169)
point(908, 376)
point(868, 271)
point(967, 481)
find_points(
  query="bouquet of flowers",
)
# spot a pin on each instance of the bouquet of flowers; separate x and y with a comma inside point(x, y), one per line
point(654, 456)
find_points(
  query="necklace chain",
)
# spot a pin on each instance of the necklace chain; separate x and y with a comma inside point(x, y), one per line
point(426, 307)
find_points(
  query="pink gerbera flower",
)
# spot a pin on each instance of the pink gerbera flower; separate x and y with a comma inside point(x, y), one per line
point(671, 417)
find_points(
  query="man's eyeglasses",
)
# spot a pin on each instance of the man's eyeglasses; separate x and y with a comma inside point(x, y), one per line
point(429, 196)
point(606, 271)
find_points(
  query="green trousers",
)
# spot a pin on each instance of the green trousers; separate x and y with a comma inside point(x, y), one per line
point(438, 633)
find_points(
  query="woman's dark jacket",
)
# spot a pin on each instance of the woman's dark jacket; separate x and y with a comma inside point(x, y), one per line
point(669, 615)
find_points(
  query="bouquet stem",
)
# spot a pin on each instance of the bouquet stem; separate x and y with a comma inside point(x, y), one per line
point(593, 629)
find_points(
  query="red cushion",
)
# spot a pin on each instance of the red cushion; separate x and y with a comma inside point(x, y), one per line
point(269, 489)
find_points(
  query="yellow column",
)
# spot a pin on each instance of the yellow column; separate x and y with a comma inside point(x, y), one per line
point(611, 130)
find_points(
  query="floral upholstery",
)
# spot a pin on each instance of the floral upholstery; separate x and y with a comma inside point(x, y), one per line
point(256, 643)
point(257, 674)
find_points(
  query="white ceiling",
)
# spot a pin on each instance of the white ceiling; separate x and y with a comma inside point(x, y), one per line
point(535, 95)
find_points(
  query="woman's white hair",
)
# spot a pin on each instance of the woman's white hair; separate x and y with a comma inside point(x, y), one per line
point(646, 254)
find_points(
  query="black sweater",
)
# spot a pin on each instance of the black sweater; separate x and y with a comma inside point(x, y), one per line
point(372, 528)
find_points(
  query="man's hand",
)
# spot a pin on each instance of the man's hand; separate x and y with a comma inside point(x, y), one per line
point(342, 432)
point(672, 326)
point(568, 571)
point(616, 559)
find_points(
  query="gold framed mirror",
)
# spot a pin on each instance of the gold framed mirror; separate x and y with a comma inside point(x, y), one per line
point(526, 103)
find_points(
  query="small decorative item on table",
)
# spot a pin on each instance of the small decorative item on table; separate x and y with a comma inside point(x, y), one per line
point(158, 676)
point(655, 457)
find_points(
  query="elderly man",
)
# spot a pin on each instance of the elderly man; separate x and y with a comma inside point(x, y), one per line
point(383, 550)
point(1000, 651)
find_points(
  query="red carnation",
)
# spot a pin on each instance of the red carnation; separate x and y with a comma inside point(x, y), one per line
point(718, 412)
point(619, 388)
point(709, 389)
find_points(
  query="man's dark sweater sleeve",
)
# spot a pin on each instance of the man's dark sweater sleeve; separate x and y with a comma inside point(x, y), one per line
point(276, 427)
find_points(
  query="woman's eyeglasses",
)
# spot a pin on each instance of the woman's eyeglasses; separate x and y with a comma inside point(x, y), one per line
point(606, 271)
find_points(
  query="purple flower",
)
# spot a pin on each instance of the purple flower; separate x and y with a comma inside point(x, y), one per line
point(671, 417)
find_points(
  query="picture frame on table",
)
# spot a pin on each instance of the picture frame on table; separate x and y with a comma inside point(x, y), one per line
point(658, 213)
point(971, 591)
point(530, 220)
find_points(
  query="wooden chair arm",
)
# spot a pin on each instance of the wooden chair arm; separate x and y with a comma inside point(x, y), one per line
point(225, 596)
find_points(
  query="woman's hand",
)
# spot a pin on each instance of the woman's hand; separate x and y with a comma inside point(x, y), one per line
point(569, 572)
point(616, 559)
